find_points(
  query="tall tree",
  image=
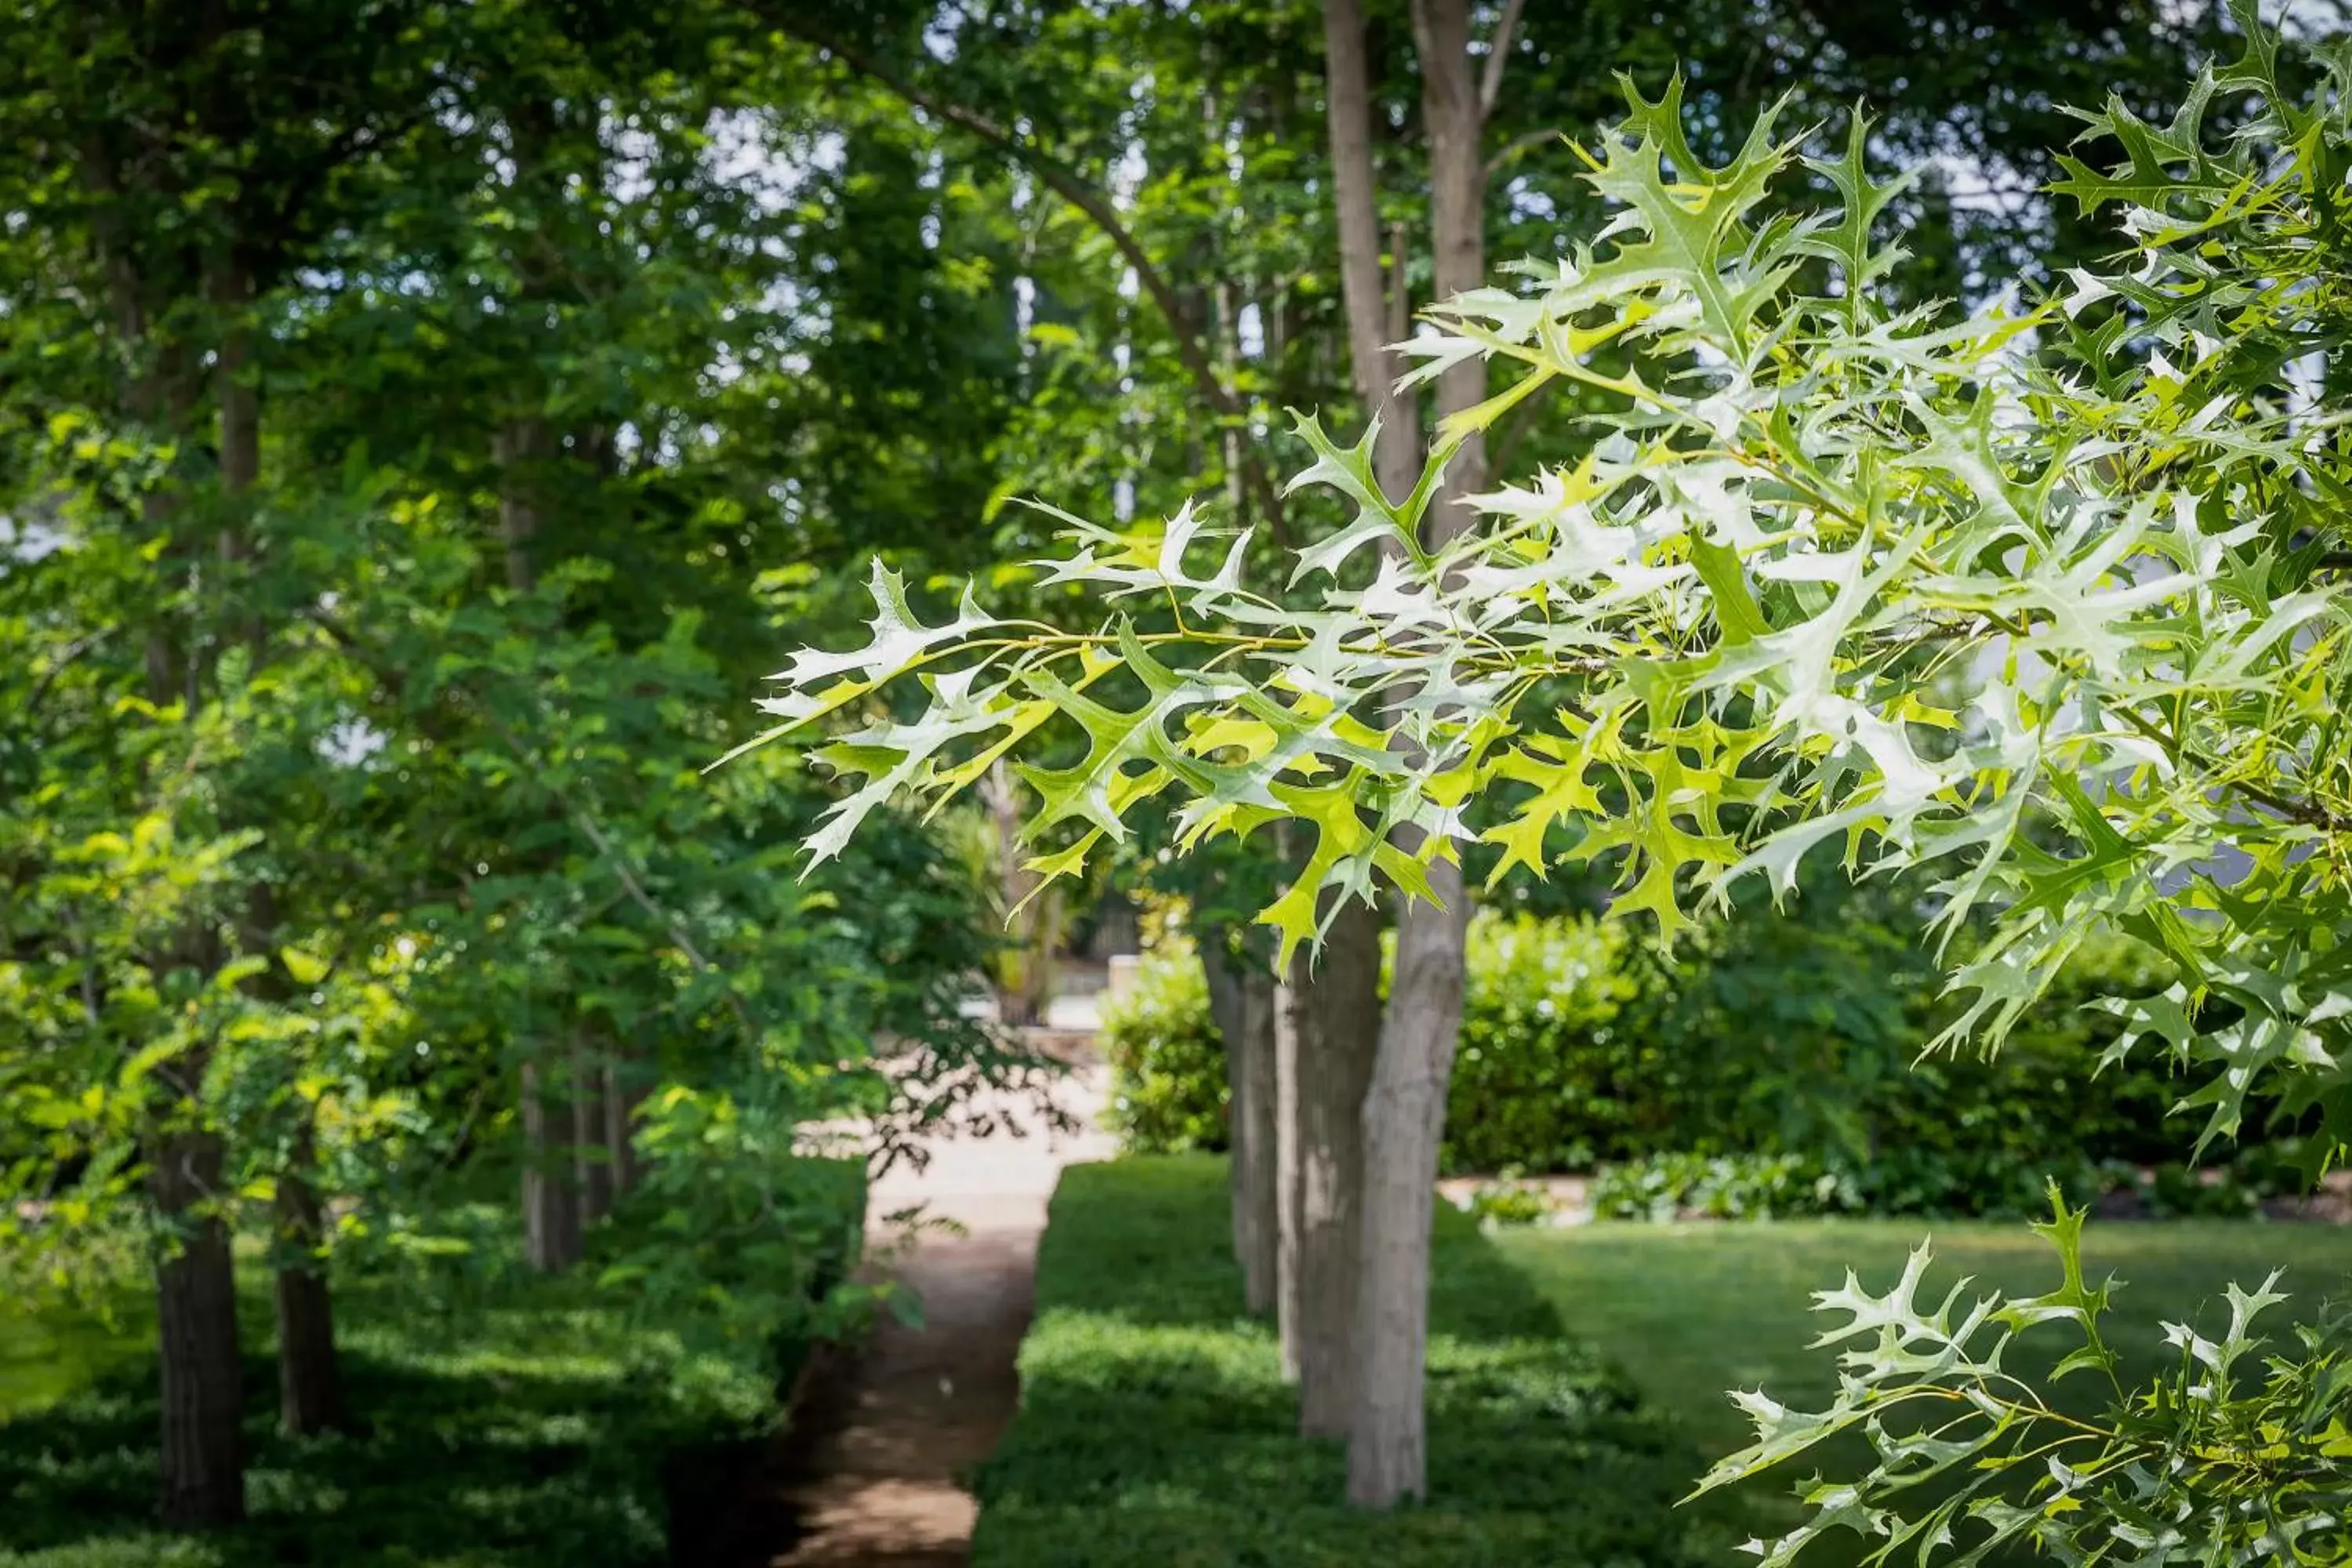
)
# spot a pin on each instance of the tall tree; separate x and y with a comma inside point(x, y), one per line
point(183, 162)
point(1773, 631)
point(1404, 1111)
point(1246, 1003)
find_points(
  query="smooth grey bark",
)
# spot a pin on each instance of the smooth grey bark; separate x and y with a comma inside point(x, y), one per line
point(1389, 1305)
point(1289, 1302)
point(1397, 455)
point(1253, 1110)
point(1333, 1021)
point(1032, 916)
point(1404, 1111)
point(1242, 1000)
point(1243, 993)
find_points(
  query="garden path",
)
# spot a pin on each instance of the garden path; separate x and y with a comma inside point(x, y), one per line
point(878, 1480)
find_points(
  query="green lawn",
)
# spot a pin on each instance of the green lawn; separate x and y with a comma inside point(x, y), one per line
point(1155, 1428)
point(1690, 1310)
point(1576, 1378)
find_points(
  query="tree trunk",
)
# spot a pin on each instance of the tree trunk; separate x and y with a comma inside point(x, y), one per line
point(1329, 1028)
point(1257, 1151)
point(1242, 998)
point(230, 284)
point(1289, 1273)
point(523, 445)
point(310, 1391)
point(550, 1200)
point(590, 1150)
point(200, 1371)
point(196, 1298)
point(1404, 1114)
point(239, 397)
point(1032, 916)
point(1334, 1026)
point(550, 1206)
point(1404, 1119)
point(1397, 456)
point(622, 1094)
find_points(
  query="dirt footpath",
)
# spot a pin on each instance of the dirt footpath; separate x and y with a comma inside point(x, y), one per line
point(875, 1476)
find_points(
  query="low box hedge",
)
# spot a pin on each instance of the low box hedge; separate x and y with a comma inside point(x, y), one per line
point(1155, 1428)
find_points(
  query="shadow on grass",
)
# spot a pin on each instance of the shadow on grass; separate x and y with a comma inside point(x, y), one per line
point(1155, 1426)
point(456, 1466)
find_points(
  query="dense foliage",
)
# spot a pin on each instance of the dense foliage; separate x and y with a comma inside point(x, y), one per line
point(512, 1418)
point(1771, 1065)
point(1169, 1093)
point(1155, 1426)
point(2044, 601)
point(416, 420)
point(413, 421)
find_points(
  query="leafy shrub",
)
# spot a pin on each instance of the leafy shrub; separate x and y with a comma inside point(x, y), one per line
point(508, 1417)
point(1541, 1073)
point(1166, 1061)
point(1547, 1074)
point(1509, 1201)
point(1804, 1030)
point(1782, 1041)
point(1720, 1186)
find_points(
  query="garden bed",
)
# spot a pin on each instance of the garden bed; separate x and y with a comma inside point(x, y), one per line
point(504, 1421)
point(1688, 1189)
point(1155, 1426)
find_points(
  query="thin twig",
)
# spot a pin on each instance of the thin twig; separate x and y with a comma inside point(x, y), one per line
point(73, 652)
point(1098, 208)
point(1490, 83)
point(1524, 142)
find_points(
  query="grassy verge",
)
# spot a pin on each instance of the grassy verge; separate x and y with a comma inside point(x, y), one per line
point(507, 1420)
point(1691, 1310)
point(1155, 1428)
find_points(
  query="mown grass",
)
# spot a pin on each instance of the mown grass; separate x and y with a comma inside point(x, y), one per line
point(504, 1420)
point(1155, 1428)
point(1691, 1310)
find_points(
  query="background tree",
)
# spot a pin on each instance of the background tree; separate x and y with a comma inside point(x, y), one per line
point(394, 412)
point(1763, 624)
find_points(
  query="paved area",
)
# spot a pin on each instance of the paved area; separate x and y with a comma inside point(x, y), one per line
point(880, 1482)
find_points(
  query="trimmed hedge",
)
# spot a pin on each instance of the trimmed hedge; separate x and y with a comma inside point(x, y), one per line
point(1155, 1428)
point(1792, 1037)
